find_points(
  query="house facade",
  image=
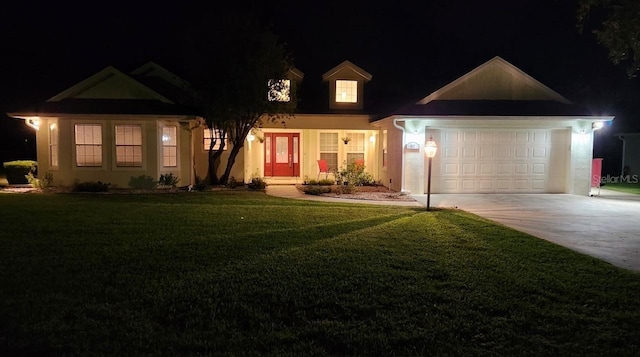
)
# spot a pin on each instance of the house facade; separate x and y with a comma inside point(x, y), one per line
point(497, 130)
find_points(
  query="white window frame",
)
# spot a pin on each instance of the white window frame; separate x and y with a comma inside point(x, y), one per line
point(131, 145)
point(206, 139)
point(169, 146)
point(357, 145)
point(346, 91)
point(329, 150)
point(385, 157)
point(95, 144)
point(54, 147)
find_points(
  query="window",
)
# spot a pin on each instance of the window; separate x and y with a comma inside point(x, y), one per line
point(53, 144)
point(279, 90)
point(129, 145)
point(216, 138)
point(169, 146)
point(384, 148)
point(346, 91)
point(355, 147)
point(329, 150)
point(88, 145)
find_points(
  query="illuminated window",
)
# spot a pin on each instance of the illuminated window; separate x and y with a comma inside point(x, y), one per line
point(53, 144)
point(88, 144)
point(129, 145)
point(329, 149)
point(215, 136)
point(355, 147)
point(384, 148)
point(169, 146)
point(346, 91)
point(279, 90)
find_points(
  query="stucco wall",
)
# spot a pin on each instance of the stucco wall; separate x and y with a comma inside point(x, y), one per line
point(67, 172)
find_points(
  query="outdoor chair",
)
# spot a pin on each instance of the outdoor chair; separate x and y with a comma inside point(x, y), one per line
point(322, 167)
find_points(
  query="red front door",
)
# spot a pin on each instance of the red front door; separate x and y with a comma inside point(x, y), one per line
point(282, 154)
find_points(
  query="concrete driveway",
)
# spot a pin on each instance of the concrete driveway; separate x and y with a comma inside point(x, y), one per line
point(605, 226)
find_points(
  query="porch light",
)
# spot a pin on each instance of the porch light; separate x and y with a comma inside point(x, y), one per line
point(372, 138)
point(597, 125)
point(33, 122)
point(251, 137)
point(430, 149)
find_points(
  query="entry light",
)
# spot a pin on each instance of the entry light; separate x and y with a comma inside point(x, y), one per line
point(33, 122)
point(372, 138)
point(251, 137)
point(597, 125)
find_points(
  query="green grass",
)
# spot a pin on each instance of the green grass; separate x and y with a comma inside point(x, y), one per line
point(242, 273)
point(624, 187)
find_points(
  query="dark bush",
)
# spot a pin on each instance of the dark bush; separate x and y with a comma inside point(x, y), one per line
point(257, 183)
point(326, 182)
point(144, 182)
point(316, 190)
point(17, 171)
point(91, 186)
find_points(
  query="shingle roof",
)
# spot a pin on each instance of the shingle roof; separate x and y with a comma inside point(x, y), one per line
point(109, 106)
point(493, 107)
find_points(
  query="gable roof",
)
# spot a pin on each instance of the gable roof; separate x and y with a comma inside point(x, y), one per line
point(152, 69)
point(346, 65)
point(495, 79)
point(109, 83)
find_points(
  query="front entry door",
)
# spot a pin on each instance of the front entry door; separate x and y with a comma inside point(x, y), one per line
point(282, 154)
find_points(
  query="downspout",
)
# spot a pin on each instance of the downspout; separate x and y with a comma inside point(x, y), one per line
point(624, 144)
point(395, 123)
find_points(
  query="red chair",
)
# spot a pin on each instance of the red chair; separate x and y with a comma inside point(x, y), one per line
point(360, 164)
point(322, 167)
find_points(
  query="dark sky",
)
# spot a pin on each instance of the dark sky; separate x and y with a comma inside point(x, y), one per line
point(411, 47)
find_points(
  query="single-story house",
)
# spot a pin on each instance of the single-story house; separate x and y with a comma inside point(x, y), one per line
point(496, 129)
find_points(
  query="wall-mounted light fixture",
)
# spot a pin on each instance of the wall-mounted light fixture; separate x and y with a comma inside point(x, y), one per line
point(372, 138)
point(597, 125)
point(33, 122)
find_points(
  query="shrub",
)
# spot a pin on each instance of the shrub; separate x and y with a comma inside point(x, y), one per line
point(256, 183)
point(91, 186)
point(316, 190)
point(312, 182)
point(44, 182)
point(17, 171)
point(144, 182)
point(326, 182)
point(168, 180)
point(232, 182)
point(201, 184)
point(354, 174)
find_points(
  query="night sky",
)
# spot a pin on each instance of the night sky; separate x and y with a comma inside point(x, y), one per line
point(411, 47)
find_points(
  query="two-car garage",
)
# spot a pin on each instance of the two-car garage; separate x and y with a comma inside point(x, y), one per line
point(500, 160)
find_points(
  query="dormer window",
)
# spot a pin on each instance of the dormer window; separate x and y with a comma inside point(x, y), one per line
point(279, 90)
point(346, 91)
point(346, 86)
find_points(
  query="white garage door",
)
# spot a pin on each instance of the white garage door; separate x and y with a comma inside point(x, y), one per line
point(508, 161)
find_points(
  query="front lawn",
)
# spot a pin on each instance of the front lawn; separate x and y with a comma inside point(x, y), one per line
point(623, 187)
point(242, 273)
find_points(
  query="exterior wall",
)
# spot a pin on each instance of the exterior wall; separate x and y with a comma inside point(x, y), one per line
point(201, 158)
point(67, 172)
point(581, 156)
point(309, 153)
point(391, 176)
